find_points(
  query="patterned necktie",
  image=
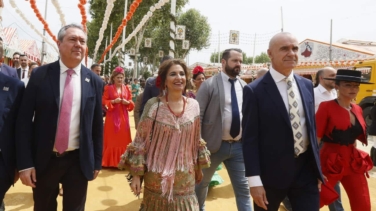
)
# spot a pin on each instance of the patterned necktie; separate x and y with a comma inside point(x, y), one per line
point(299, 145)
point(62, 134)
point(235, 123)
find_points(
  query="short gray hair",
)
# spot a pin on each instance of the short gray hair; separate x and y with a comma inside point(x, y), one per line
point(63, 30)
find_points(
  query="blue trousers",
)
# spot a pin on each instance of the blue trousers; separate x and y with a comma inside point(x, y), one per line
point(231, 154)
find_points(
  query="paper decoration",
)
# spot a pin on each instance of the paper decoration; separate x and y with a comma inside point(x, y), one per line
point(132, 51)
point(160, 54)
point(180, 32)
point(144, 20)
point(234, 37)
point(147, 42)
point(107, 13)
point(185, 44)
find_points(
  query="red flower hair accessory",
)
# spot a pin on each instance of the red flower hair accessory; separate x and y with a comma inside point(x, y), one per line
point(119, 70)
point(158, 82)
point(197, 70)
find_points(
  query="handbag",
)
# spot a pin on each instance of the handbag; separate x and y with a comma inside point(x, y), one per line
point(129, 176)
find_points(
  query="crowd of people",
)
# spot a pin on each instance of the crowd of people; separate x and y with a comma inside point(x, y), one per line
point(281, 139)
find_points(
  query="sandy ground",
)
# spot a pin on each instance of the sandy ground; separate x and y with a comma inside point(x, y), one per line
point(111, 192)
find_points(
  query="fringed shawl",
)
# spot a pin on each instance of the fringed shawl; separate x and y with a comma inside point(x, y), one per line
point(170, 149)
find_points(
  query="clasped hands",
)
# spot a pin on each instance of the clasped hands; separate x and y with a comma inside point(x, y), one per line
point(120, 100)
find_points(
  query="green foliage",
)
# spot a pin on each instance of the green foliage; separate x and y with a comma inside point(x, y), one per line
point(157, 28)
point(262, 58)
point(214, 57)
point(146, 74)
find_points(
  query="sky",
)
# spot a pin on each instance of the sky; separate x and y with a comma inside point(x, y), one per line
point(303, 18)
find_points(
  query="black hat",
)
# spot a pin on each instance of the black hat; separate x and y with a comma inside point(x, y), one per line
point(349, 75)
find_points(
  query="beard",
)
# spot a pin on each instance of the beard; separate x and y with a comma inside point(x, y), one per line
point(233, 72)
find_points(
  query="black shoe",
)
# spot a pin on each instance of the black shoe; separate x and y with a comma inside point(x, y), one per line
point(373, 155)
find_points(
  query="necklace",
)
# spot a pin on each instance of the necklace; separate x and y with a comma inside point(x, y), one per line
point(347, 108)
point(176, 117)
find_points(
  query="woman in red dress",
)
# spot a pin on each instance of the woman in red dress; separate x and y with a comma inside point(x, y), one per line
point(117, 98)
point(339, 124)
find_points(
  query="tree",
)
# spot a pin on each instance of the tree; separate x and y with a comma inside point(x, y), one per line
point(97, 12)
point(214, 57)
point(262, 58)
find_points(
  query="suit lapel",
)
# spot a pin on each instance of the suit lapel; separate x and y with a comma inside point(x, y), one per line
point(85, 87)
point(54, 76)
point(272, 89)
point(3, 93)
point(304, 94)
point(221, 92)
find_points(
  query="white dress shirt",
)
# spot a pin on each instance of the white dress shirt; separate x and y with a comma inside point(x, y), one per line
point(322, 95)
point(74, 127)
point(281, 83)
point(25, 80)
point(26, 72)
point(227, 113)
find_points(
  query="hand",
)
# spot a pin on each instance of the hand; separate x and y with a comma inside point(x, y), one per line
point(259, 196)
point(319, 182)
point(16, 176)
point(96, 172)
point(198, 176)
point(124, 101)
point(136, 185)
point(28, 177)
point(117, 100)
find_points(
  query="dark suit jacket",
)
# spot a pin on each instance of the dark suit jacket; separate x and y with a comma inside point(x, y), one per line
point(9, 71)
point(372, 127)
point(150, 91)
point(268, 143)
point(35, 140)
point(11, 91)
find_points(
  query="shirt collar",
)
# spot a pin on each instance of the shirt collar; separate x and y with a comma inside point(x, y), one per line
point(323, 90)
point(64, 68)
point(277, 77)
point(226, 77)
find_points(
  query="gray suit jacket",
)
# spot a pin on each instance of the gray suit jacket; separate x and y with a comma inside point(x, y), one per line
point(211, 97)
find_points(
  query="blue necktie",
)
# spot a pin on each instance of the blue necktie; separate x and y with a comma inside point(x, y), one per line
point(235, 123)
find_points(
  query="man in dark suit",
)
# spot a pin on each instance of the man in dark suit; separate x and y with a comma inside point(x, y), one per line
point(280, 148)
point(60, 127)
point(9, 71)
point(11, 90)
point(16, 63)
point(151, 90)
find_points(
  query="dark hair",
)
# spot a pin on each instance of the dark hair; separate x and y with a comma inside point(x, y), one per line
point(22, 55)
point(196, 75)
point(226, 53)
point(165, 67)
point(17, 53)
point(318, 74)
point(1, 39)
point(165, 58)
point(94, 65)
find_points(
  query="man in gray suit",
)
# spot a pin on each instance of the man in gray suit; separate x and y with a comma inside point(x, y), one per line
point(220, 98)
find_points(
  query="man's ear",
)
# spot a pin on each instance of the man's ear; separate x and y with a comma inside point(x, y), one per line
point(270, 54)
